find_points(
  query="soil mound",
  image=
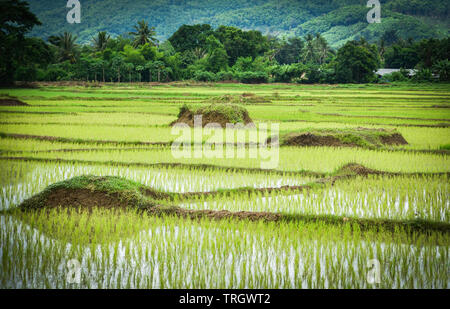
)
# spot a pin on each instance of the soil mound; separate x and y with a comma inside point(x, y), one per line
point(245, 98)
point(309, 139)
point(9, 101)
point(94, 191)
point(393, 139)
point(221, 114)
point(357, 169)
point(359, 137)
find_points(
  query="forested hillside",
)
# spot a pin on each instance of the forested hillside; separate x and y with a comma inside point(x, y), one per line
point(337, 20)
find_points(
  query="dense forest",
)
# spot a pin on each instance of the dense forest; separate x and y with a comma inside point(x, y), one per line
point(203, 52)
point(337, 20)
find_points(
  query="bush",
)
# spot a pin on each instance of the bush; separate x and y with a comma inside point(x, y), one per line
point(442, 69)
point(225, 76)
point(204, 76)
point(424, 76)
point(26, 74)
point(55, 74)
point(253, 77)
point(395, 77)
point(288, 72)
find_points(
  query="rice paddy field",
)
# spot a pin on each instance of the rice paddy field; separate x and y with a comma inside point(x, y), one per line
point(324, 217)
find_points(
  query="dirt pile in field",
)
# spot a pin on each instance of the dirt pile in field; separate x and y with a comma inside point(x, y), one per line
point(357, 169)
point(10, 101)
point(84, 198)
point(359, 137)
point(221, 114)
point(91, 191)
point(310, 139)
point(386, 137)
point(245, 98)
point(393, 139)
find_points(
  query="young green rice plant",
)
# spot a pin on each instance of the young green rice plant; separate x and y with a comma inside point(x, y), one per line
point(23, 180)
point(318, 159)
point(375, 197)
point(169, 252)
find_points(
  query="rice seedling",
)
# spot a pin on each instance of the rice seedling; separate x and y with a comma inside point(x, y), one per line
point(318, 159)
point(177, 253)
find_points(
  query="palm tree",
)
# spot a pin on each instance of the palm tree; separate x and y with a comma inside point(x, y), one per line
point(66, 46)
point(144, 34)
point(322, 48)
point(100, 41)
point(442, 68)
point(308, 53)
point(199, 53)
point(382, 49)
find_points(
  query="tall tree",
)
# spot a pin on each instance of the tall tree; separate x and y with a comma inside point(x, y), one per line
point(322, 49)
point(289, 52)
point(143, 34)
point(309, 53)
point(356, 63)
point(189, 37)
point(15, 21)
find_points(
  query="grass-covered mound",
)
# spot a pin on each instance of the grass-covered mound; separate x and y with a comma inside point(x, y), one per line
point(245, 98)
point(95, 191)
point(215, 113)
point(357, 137)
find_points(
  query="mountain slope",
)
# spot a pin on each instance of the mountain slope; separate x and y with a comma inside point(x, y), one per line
point(338, 20)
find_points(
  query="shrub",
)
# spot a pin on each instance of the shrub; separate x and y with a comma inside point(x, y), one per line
point(204, 76)
point(26, 73)
point(55, 74)
point(225, 76)
point(424, 75)
point(253, 77)
point(395, 77)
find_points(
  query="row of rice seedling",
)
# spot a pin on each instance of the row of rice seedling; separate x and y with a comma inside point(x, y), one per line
point(108, 119)
point(376, 197)
point(13, 145)
point(136, 109)
point(417, 137)
point(20, 180)
point(319, 159)
point(169, 252)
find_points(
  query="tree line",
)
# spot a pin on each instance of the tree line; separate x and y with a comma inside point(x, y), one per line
point(202, 53)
